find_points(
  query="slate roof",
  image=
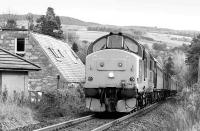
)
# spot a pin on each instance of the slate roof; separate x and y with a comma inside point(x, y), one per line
point(10, 61)
point(63, 57)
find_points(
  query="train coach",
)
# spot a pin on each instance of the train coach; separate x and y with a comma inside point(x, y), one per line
point(121, 75)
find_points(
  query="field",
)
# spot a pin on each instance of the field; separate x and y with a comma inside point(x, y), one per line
point(90, 35)
point(169, 39)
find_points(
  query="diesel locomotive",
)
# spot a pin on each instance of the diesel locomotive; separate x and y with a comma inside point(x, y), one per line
point(121, 75)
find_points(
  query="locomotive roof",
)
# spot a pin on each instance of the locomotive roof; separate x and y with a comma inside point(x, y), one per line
point(129, 36)
point(90, 48)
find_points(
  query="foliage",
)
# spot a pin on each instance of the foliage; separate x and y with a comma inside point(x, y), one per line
point(71, 37)
point(62, 102)
point(169, 66)
point(160, 46)
point(104, 29)
point(82, 53)
point(182, 48)
point(180, 67)
point(146, 46)
point(29, 17)
point(11, 24)
point(14, 111)
point(49, 24)
point(192, 60)
point(75, 47)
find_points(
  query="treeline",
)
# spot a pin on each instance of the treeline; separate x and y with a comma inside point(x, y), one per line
point(104, 29)
point(48, 24)
point(182, 60)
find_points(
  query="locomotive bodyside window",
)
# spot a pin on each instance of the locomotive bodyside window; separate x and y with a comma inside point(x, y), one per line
point(130, 45)
point(115, 42)
point(99, 45)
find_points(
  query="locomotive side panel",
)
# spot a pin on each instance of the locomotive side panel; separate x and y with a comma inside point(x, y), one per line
point(159, 79)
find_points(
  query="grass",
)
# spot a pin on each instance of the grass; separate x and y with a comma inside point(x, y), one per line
point(66, 102)
point(13, 116)
point(181, 113)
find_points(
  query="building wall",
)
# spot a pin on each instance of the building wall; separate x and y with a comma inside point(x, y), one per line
point(46, 78)
point(0, 83)
point(15, 81)
point(7, 39)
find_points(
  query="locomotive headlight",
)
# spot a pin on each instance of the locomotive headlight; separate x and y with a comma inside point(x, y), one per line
point(111, 75)
point(120, 64)
point(132, 79)
point(90, 78)
point(102, 64)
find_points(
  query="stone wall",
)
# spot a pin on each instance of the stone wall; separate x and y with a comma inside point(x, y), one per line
point(7, 39)
point(46, 78)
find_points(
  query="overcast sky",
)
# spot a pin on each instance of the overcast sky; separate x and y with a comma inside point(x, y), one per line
point(175, 14)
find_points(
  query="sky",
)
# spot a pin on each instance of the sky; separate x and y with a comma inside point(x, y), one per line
point(174, 14)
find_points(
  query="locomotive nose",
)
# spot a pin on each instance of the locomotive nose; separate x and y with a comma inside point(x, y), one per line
point(105, 64)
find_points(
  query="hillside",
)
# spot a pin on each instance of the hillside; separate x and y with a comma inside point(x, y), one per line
point(148, 35)
point(64, 19)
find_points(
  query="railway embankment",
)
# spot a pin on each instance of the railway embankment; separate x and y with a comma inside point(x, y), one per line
point(180, 113)
point(54, 107)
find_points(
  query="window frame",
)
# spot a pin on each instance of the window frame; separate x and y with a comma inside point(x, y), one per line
point(16, 45)
point(138, 46)
point(53, 52)
point(122, 42)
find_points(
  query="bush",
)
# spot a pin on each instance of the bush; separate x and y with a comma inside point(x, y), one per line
point(62, 102)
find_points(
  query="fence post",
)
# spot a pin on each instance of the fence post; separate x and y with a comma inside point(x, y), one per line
point(58, 81)
point(199, 71)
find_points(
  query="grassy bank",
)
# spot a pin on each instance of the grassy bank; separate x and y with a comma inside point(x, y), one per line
point(181, 113)
point(13, 116)
point(67, 103)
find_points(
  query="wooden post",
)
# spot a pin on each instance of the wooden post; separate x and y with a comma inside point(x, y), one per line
point(199, 71)
point(58, 81)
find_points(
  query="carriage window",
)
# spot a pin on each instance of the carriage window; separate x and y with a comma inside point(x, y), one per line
point(115, 42)
point(130, 45)
point(99, 45)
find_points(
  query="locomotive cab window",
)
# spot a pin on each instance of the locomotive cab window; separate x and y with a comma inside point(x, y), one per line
point(115, 42)
point(130, 45)
point(99, 45)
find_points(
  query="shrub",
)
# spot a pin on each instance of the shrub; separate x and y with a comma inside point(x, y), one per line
point(62, 102)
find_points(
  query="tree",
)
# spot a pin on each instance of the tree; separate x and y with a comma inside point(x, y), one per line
point(49, 24)
point(29, 17)
point(193, 54)
point(11, 24)
point(75, 47)
point(10, 21)
point(146, 46)
point(71, 37)
point(169, 66)
point(160, 47)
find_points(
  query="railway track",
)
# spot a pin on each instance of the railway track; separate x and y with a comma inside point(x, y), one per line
point(91, 123)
